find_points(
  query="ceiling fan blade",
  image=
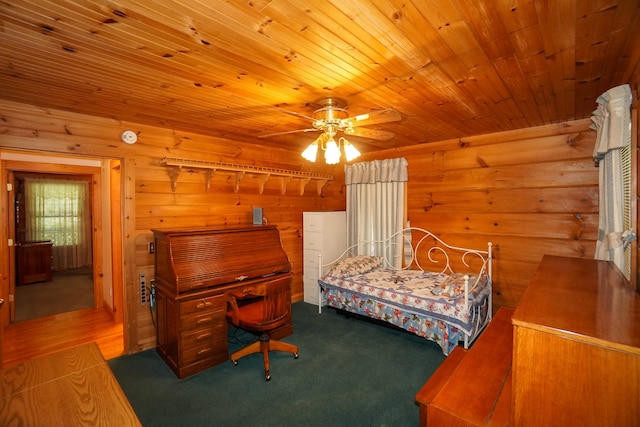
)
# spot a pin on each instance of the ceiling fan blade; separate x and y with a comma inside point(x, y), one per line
point(375, 117)
point(380, 135)
point(293, 113)
point(287, 132)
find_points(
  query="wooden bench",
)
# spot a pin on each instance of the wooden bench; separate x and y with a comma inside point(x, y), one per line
point(473, 387)
point(73, 387)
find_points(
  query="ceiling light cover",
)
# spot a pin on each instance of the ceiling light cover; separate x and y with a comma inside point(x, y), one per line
point(311, 152)
point(350, 151)
point(332, 150)
point(332, 153)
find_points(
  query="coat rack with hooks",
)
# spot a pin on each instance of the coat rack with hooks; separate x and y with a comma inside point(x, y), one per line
point(239, 171)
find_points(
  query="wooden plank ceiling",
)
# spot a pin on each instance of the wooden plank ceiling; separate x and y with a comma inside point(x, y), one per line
point(233, 69)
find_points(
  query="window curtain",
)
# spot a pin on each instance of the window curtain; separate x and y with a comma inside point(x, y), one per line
point(612, 123)
point(59, 210)
point(376, 194)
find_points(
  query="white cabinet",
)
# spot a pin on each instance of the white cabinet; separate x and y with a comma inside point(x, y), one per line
point(326, 233)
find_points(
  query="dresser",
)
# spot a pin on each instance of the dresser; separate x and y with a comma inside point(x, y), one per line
point(326, 233)
point(568, 355)
point(195, 270)
point(71, 387)
point(576, 347)
point(33, 262)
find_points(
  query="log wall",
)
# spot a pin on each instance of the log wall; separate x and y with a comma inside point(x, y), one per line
point(531, 192)
point(149, 201)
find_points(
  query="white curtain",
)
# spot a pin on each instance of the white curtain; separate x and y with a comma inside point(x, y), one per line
point(59, 210)
point(612, 123)
point(376, 206)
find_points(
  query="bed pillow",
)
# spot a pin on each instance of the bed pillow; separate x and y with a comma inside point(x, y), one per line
point(354, 265)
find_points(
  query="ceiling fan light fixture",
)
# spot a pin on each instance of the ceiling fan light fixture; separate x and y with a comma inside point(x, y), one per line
point(331, 118)
point(350, 151)
point(311, 151)
point(332, 152)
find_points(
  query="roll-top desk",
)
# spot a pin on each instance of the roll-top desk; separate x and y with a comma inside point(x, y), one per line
point(195, 268)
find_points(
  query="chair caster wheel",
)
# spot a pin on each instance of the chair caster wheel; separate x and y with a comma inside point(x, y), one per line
point(235, 362)
point(295, 355)
point(267, 376)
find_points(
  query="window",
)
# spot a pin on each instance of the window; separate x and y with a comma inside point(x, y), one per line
point(376, 206)
point(59, 211)
point(627, 216)
point(614, 156)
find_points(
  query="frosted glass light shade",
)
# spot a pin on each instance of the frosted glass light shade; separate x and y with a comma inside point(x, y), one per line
point(350, 151)
point(332, 153)
point(310, 152)
point(332, 150)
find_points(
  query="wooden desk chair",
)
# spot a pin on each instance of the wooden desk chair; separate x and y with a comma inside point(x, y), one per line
point(268, 309)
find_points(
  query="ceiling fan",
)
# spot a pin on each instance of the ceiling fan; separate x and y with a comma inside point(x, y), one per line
point(332, 117)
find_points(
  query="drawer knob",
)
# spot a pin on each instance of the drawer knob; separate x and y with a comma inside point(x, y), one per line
point(241, 278)
point(204, 304)
point(203, 320)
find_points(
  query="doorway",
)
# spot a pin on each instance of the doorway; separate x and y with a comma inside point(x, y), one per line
point(53, 235)
point(106, 270)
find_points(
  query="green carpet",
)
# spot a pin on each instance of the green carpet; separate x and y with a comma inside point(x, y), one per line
point(349, 373)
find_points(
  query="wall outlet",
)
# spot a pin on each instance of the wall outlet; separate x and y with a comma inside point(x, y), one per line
point(144, 297)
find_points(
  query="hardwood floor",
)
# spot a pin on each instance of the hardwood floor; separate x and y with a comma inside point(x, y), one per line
point(37, 337)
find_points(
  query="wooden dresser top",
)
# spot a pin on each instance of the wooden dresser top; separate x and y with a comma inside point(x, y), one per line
point(69, 388)
point(583, 299)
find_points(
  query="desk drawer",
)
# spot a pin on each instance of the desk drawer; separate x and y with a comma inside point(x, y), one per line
point(251, 289)
point(200, 321)
point(202, 338)
point(203, 305)
point(195, 354)
point(203, 344)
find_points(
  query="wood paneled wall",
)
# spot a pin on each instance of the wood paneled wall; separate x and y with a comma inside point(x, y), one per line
point(148, 195)
point(530, 192)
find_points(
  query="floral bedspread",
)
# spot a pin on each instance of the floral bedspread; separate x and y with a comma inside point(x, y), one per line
point(427, 304)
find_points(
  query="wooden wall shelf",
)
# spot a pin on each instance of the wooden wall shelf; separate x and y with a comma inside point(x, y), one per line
point(239, 171)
